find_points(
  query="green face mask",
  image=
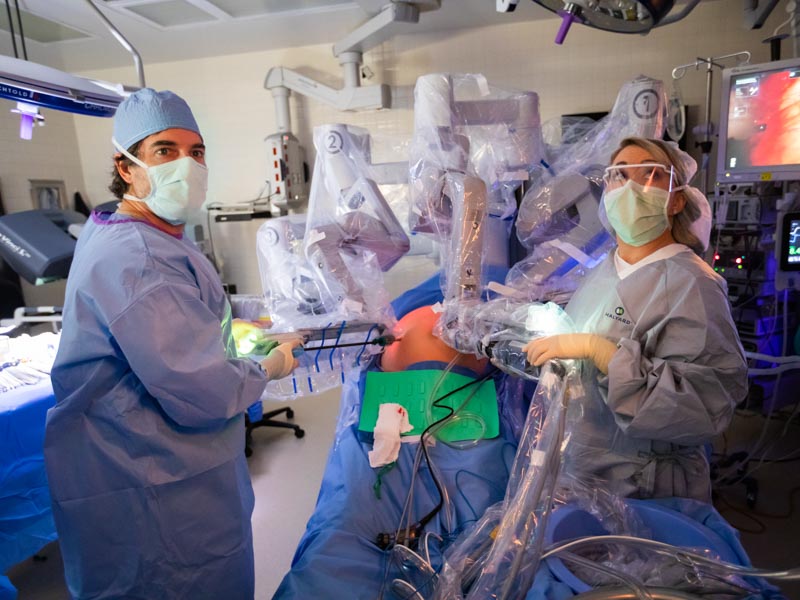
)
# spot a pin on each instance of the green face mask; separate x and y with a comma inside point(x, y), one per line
point(638, 215)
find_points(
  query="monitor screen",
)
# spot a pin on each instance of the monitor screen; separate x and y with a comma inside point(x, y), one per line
point(760, 123)
point(790, 242)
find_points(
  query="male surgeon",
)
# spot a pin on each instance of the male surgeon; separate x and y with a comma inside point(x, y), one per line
point(144, 448)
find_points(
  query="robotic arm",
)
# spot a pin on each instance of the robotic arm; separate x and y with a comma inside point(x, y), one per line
point(327, 268)
point(351, 228)
point(562, 223)
point(558, 217)
point(471, 145)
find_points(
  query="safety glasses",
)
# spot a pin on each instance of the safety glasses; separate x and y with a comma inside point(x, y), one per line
point(645, 174)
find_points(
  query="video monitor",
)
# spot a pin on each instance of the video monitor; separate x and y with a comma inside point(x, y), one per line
point(789, 242)
point(760, 123)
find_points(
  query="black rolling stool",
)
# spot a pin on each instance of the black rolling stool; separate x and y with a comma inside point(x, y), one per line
point(255, 417)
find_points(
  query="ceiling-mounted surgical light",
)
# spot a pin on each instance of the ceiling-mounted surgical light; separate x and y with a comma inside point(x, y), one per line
point(620, 16)
point(33, 85)
point(38, 85)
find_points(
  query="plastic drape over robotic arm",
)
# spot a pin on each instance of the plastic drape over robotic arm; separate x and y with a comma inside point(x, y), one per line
point(473, 146)
point(464, 125)
point(558, 218)
point(466, 132)
point(326, 266)
point(352, 235)
point(323, 272)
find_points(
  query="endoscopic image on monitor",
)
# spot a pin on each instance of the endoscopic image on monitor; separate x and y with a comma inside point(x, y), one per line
point(764, 120)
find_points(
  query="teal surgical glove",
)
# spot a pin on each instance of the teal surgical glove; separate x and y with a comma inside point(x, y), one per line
point(264, 347)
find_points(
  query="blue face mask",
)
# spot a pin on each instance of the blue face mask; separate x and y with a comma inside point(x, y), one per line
point(177, 187)
point(637, 215)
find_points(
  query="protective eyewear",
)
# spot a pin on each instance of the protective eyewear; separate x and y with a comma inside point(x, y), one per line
point(645, 174)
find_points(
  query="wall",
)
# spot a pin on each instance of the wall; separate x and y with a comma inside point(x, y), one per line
point(236, 112)
point(51, 154)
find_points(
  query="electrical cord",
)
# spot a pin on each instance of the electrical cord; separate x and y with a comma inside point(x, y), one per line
point(758, 447)
point(782, 25)
point(728, 507)
point(745, 473)
point(438, 424)
point(788, 514)
point(419, 455)
point(783, 459)
point(781, 416)
point(11, 29)
point(787, 363)
point(21, 32)
point(411, 533)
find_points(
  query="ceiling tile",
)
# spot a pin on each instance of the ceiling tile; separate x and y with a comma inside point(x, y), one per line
point(171, 13)
point(253, 8)
point(38, 28)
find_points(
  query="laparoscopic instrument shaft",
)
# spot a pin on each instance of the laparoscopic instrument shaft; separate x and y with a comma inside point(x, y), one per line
point(382, 341)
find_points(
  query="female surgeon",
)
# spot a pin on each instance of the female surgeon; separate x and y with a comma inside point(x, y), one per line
point(144, 448)
point(662, 364)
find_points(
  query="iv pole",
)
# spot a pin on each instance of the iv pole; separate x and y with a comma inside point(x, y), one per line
point(742, 58)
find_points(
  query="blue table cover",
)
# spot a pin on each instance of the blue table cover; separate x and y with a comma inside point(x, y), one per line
point(26, 518)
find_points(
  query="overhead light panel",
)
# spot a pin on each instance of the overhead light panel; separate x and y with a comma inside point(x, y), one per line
point(172, 13)
point(35, 85)
point(255, 8)
point(42, 30)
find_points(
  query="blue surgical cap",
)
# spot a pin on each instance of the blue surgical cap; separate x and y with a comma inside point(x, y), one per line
point(147, 111)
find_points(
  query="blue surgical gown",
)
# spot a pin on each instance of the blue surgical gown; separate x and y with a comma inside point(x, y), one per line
point(145, 447)
point(672, 385)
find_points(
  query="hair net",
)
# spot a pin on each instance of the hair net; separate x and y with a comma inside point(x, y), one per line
point(147, 111)
point(686, 163)
point(700, 227)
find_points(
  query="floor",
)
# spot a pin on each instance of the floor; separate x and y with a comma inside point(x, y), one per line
point(771, 529)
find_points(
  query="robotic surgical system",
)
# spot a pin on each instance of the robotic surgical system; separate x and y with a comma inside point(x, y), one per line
point(468, 160)
point(322, 273)
point(470, 525)
point(473, 150)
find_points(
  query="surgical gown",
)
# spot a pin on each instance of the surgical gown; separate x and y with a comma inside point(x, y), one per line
point(672, 385)
point(145, 447)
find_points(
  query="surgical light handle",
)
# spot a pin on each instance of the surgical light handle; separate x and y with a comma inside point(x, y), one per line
point(137, 59)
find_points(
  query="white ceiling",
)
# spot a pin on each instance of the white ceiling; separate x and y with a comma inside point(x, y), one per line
point(314, 22)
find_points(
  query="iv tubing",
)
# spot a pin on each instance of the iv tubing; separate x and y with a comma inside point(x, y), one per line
point(683, 556)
